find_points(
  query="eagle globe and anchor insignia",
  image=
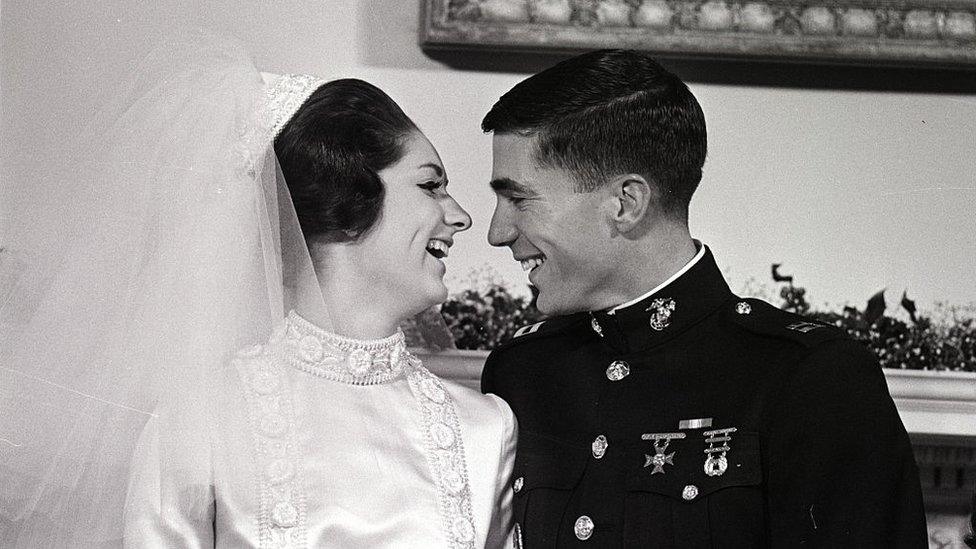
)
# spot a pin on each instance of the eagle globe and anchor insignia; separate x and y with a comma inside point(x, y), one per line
point(660, 309)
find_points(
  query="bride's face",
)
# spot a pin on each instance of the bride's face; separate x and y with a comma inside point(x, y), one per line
point(403, 251)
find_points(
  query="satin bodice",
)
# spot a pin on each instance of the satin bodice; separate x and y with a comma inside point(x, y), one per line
point(348, 444)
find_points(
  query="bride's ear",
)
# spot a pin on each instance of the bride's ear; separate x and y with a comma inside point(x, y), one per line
point(634, 198)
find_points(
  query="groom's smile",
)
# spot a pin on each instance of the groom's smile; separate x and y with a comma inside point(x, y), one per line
point(529, 264)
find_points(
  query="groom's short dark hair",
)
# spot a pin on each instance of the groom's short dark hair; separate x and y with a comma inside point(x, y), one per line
point(606, 113)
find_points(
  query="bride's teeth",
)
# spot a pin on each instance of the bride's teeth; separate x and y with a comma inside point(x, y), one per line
point(531, 263)
point(438, 246)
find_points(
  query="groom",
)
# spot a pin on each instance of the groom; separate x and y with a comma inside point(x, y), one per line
point(656, 408)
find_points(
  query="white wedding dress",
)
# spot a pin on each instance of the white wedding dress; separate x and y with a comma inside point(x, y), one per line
point(351, 444)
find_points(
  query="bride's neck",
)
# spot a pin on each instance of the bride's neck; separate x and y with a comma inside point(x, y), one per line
point(354, 306)
point(358, 315)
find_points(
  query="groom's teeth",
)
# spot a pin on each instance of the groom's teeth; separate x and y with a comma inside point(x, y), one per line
point(531, 263)
point(437, 248)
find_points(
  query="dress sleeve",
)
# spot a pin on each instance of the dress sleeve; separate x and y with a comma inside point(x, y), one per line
point(500, 529)
point(170, 498)
point(840, 465)
point(487, 380)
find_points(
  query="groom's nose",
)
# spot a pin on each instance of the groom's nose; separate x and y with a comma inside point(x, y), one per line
point(502, 231)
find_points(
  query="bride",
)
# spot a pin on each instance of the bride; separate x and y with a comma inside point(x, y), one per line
point(213, 354)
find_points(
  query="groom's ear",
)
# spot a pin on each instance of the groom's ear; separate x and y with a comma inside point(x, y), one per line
point(633, 200)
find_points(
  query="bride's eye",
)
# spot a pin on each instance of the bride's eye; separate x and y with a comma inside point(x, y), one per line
point(432, 186)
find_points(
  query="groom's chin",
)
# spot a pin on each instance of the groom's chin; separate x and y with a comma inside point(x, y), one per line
point(552, 307)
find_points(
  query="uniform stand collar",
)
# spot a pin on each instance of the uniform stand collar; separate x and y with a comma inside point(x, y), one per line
point(665, 313)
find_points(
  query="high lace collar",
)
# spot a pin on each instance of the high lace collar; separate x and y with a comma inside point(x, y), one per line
point(325, 354)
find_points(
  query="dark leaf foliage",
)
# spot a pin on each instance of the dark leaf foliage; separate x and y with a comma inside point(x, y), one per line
point(919, 344)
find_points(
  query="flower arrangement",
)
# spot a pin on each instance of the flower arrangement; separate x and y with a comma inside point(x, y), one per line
point(943, 340)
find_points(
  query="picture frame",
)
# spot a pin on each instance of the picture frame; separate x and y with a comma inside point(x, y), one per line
point(922, 33)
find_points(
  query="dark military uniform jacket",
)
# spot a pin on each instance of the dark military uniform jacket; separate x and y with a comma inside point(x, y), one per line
point(696, 418)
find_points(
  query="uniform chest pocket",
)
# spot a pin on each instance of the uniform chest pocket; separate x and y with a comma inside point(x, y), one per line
point(694, 497)
point(546, 472)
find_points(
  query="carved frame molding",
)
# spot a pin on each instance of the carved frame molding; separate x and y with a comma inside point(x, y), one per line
point(890, 32)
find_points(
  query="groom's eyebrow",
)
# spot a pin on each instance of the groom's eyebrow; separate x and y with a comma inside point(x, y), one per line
point(504, 185)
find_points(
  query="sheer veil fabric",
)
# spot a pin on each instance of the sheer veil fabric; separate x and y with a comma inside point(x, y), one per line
point(175, 244)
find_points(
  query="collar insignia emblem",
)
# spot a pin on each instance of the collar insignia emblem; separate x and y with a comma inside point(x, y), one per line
point(661, 309)
point(660, 459)
point(596, 326)
point(803, 327)
point(716, 463)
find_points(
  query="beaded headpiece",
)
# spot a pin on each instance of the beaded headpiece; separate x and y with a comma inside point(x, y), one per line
point(287, 94)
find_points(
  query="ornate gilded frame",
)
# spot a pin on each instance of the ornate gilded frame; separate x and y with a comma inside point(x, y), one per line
point(889, 32)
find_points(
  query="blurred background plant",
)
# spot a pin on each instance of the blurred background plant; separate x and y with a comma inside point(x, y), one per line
point(481, 317)
point(484, 319)
point(943, 339)
point(902, 337)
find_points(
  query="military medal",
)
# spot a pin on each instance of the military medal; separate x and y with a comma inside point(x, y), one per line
point(715, 461)
point(697, 423)
point(661, 442)
point(662, 308)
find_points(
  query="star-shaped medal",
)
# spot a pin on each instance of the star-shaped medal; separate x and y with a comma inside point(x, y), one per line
point(658, 460)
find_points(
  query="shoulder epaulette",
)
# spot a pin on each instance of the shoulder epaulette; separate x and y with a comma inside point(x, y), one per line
point(528, 329)
point(545, 328)
point(760, 317)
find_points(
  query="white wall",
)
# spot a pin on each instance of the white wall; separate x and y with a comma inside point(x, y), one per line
point(852, 191)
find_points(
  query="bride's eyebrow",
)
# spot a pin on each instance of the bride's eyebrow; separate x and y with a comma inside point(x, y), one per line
point(437, 169)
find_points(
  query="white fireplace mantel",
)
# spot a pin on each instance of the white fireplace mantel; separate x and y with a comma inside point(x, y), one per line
point(935, 403)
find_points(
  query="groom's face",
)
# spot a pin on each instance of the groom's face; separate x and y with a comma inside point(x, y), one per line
point(560, 236)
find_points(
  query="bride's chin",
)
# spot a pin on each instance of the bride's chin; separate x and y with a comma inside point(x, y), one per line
point(436, 294)
point(429, 293)
point(440, 293)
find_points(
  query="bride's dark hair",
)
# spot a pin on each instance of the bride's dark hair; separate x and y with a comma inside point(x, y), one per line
point(331, 151)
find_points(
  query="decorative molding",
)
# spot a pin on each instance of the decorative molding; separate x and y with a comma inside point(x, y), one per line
point(935, 403)
point(900, 32)
point(462, 367)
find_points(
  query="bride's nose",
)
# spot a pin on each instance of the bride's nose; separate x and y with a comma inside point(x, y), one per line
point(456, 216)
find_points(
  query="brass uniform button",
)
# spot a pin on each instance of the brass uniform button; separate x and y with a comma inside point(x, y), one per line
point(618, 370)
point(599, 446)
point(583, 528)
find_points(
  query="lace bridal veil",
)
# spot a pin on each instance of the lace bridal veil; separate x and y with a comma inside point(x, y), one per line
point(166, 251)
